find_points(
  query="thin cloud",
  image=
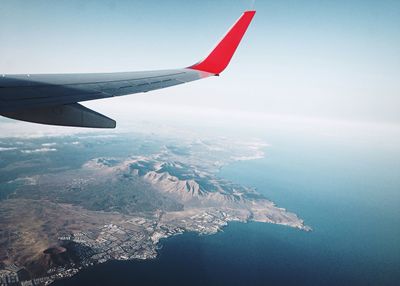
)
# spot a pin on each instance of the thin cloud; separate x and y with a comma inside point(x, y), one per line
point(49, 144)
point(2, 149)
point(39, 150)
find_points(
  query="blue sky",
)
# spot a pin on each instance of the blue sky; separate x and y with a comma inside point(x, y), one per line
point(324, 59)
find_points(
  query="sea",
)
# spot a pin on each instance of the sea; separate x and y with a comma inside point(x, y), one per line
point(348, 191)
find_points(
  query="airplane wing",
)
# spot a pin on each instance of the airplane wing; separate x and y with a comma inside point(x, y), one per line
point(53, 98)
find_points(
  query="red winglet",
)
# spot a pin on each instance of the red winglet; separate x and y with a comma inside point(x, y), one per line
point(219, 58)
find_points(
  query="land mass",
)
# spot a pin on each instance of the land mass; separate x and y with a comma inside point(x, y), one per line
point(54, 224)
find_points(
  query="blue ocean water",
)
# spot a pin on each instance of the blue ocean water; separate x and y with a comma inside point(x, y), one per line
point(348, 193)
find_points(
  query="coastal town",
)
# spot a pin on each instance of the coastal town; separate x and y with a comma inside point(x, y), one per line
point(136, 238)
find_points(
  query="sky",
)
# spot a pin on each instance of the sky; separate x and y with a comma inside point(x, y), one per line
point(331, 60)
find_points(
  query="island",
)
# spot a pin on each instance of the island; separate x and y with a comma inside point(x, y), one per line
point(59, 216)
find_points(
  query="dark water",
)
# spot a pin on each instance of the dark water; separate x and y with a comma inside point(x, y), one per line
point(348, 193)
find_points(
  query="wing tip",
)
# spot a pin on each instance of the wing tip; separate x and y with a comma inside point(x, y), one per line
point(217, 61)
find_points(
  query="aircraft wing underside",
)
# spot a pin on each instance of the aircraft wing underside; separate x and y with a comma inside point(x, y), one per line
point(25, 92)
point(43, 98)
